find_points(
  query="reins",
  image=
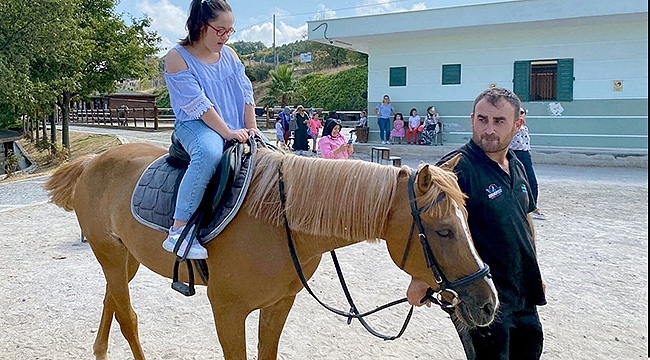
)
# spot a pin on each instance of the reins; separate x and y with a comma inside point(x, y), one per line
point(435, 296)
point(353, 313)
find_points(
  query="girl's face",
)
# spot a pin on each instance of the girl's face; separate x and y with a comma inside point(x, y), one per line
point(386, 99)
point(218, 31)
point(398, 117)
point(336, 130)
point(414, 112)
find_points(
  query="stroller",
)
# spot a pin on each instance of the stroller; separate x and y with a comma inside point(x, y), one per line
point(432, 134)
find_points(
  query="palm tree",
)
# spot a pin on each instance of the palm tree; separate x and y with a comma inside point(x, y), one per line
point(282, 87)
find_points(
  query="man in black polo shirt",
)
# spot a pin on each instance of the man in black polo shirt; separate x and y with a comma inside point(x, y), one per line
point(499, 201)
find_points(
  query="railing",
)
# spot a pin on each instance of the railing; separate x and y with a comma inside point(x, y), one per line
point(148, 118)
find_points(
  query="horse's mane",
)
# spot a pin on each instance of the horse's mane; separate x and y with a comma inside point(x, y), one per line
point(323, 197)
point(444, 182)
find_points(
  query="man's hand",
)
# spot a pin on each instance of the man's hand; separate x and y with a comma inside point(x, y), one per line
point(416, 291)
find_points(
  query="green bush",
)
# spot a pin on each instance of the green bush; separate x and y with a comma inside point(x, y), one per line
point(340, 91)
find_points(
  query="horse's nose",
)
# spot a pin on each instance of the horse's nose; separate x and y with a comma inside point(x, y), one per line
point(488, 309)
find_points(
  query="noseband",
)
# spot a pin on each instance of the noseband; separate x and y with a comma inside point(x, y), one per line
point(444, 285)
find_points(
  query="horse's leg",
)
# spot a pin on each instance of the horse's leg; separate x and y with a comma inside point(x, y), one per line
point(119, 267)
point(271, 323)
point(231, 327)
point(100, 348)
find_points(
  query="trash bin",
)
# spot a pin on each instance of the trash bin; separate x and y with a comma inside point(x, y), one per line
point(362, 133)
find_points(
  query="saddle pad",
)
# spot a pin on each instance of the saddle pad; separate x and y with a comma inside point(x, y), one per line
point(154, 197)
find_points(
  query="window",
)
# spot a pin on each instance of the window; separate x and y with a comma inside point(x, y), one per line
point(544, 80)
point(397, 76)
point(451, 74)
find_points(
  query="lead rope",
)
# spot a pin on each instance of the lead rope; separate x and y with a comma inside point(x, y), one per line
point(353, 313)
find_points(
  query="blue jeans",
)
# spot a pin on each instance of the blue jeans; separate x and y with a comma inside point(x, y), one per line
point(384, 128)
point(205, 147)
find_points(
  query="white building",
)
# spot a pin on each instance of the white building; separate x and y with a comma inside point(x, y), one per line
point(580, 67)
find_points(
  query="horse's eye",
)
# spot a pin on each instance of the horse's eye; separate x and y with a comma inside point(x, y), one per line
point(444, 233)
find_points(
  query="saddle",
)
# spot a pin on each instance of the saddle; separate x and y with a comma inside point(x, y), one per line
point(154, 197)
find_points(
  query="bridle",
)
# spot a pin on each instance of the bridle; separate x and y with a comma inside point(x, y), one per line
point(444, 285)
point(431, 295)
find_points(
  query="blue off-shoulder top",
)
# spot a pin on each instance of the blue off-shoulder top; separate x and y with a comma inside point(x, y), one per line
point(222, 85)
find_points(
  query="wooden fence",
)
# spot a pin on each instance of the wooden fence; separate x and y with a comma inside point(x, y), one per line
point(147, 118)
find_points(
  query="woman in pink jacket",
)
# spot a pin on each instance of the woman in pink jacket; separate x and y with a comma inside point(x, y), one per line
point(334, 145)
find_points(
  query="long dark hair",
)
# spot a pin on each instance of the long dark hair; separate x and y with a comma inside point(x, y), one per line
point(202, 12)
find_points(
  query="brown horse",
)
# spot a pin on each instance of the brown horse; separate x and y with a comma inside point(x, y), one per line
point(250, 264)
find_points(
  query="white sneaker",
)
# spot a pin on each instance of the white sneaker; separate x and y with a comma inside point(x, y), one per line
point(197, 251)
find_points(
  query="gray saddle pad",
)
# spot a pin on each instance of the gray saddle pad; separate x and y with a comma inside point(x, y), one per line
point(154, 197)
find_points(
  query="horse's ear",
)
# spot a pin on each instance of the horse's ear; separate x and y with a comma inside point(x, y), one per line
point(424, 179)
point(450, 164)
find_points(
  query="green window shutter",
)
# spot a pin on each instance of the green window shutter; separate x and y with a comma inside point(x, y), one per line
point(521, 80)
point(397, 76)
point(451, 74)
point(565, 80)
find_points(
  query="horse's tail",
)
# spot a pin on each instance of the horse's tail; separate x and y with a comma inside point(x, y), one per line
point(62, 184)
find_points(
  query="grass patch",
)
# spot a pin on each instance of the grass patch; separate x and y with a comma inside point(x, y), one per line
point(80, 144)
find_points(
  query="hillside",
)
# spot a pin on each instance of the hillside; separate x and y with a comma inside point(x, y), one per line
point(260, 88)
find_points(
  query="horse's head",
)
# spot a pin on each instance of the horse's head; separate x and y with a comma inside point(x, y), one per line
point(428, 237)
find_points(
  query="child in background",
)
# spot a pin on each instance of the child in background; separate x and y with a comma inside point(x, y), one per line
point(398, 130)
point(363, 120)
point(314, 126)
point(413, 128)
point(279, 132)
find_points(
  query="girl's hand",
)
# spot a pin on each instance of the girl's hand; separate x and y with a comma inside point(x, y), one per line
point(240, 135)
point(253, 131)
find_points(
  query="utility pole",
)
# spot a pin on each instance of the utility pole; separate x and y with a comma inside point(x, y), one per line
point(275, 56)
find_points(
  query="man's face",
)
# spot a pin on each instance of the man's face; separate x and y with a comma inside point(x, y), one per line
point(494, 126)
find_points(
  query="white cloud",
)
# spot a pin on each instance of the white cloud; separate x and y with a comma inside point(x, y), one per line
point(284, 33)
point(167, 19)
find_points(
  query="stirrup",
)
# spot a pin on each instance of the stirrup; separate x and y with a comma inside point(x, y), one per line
point(181, 287)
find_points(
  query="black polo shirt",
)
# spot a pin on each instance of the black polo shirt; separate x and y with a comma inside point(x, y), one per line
point(497, 207)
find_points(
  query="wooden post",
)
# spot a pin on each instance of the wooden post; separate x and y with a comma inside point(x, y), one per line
point(155, 117)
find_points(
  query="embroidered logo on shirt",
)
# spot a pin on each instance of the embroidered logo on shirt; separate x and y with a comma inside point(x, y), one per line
point(494, 191)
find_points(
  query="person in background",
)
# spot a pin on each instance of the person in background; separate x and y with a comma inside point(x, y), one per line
point(285, 117)
point(334, 145)
point(413, 128)
point(431, 127)
point(383, 111)
point(213, 102)
point(398, 128)
point(363, 119)
point(300, 134)
point(279, 133)
point(520, 145)
point(498, 204)
point(314, 128)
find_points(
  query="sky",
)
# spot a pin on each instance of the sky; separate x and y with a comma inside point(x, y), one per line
point(254, 18)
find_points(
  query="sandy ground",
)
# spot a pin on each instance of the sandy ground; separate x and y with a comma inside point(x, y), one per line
point(593, 251)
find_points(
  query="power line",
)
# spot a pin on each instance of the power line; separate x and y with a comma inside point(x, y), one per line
point(318, 12)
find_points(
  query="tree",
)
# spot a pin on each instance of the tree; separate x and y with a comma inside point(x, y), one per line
point(282, 87)
point(58, 49)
